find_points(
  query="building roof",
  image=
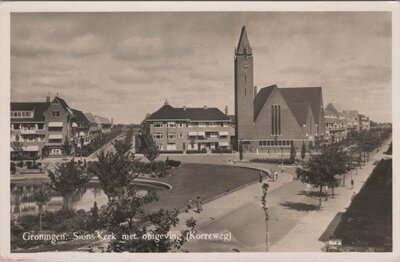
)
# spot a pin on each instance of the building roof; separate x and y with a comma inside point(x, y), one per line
point(38, 109)
point(350, 113)
point(310, 95)
point(80, 116)
point(102, 120)
point(168, 112)
point(330, 110)
point(90, 118)
point(261, 98)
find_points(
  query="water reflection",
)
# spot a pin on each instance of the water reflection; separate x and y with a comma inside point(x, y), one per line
point(23, 203)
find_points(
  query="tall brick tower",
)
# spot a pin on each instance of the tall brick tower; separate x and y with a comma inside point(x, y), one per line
point(244, 113)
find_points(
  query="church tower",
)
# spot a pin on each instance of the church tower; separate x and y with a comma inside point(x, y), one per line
point(244, 112)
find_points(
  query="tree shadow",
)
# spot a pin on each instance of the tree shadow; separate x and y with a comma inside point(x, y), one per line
point(299, 206)
point(310, 193)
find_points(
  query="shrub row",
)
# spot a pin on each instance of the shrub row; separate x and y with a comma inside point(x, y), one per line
point(273, 161)
point(172, 163)
point(202, 151)
point(172, 152)
point(222, 150)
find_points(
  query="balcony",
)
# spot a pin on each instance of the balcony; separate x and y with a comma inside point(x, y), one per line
point(28, 131)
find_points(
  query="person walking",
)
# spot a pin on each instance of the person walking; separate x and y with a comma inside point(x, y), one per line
point(199, 205)
point(352, 184)
point(189, 206)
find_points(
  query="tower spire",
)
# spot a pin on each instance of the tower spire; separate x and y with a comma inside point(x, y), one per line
point(243, 47)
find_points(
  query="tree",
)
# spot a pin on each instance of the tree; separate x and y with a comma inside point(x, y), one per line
point(114, 169)
point(149, 147)
point(303, 151)
point(292, 152)
point(67, 178)
point(17, 147)
point(41, 197)
point(321, 169)
point(66, 146)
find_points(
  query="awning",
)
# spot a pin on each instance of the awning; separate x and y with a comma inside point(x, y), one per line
point(224, 143)
point(55, 124)
point(55, 136)
point(201, 133)
point(31, 148)
point(223, 133)
point(192, 133)
point(74, 124)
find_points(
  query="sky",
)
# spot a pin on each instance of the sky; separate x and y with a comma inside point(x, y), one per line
point(125, 65)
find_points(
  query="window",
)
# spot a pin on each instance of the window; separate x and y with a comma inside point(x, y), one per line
point(55, 128)
point(55, 141)
point(158, 136)
point(17, 126)
point(202, 124)
point(40, 138)
point(181, 124)
point(276, 120)
point(171, 124)
point(158, 124)
point(56, 113)
point(213, 124)
point(30, 138)
point(180, 135)
point(171, 135)
point(171, 146)
point(160, 146)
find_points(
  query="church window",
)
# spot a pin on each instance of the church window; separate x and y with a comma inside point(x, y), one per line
point(245, 52)
point(276, 120)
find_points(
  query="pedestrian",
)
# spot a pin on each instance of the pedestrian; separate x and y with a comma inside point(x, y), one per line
point(352, 184)
point(353, 196)
point(199, 205)
point(275, 175)
point(189, 206)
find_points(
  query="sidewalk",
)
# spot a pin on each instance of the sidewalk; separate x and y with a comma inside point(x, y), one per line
point(225, 204)
point(305, 236)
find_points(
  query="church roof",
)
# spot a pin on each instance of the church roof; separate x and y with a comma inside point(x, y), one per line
point(260, 99)
point(300, 112)
point(243, 43)
point(168, 112)
point(310, 95)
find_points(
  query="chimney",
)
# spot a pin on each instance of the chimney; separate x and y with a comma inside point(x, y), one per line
point(48, 99)
point(205, 107)
point(166, 102)
point(226, 110)
point(255, 91)
point(184, 107)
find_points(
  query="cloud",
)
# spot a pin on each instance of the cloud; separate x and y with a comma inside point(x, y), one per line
point(80, 46)
point(132, 77)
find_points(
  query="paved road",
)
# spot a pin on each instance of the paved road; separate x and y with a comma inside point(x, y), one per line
point(295, 223)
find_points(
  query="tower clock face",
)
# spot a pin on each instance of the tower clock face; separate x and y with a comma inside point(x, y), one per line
point(246, 65)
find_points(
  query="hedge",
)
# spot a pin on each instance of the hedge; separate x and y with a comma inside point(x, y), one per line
point(273, 161)
point(222, 150)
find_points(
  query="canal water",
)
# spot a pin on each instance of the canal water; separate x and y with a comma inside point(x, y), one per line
point(22, 192)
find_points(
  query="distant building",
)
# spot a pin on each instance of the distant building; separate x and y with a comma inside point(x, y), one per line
point(273, 117)
point(185, 128)
point(352, 121)
point(95, 128)
point(335, 124)
point(105, 123)
point(364, 122)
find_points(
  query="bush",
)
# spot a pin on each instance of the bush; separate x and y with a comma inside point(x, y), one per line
point(20, 164)
point(222, 150)
point(273, 161)
point(28, 164)
point(172, 152)
point(202, 151)
point(13, 169)
point(173, 163)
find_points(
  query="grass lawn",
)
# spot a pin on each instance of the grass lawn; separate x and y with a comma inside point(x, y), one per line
point(206, 181)
point(369, 218)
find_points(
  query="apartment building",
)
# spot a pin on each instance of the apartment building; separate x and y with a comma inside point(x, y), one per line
point(335, 124)
point(185, 129)
point(364, 122)
point(45, 128)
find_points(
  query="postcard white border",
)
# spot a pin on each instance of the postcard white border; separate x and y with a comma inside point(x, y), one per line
point(9, 7)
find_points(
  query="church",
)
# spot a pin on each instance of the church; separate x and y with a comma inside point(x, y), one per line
point(273, 117)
